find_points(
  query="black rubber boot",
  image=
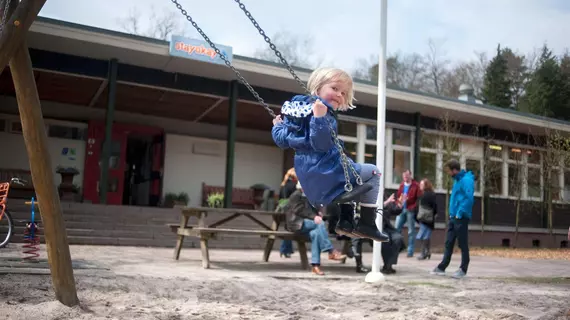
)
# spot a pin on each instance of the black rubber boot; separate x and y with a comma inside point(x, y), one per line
point(359, 267)
point(366, 227)
point(345, 225)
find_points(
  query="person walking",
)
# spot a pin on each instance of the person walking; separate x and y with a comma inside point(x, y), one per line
point(427, 211)
point(460, 211)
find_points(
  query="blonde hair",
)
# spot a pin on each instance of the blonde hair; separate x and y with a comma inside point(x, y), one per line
point(322, 76)
point(290, 174)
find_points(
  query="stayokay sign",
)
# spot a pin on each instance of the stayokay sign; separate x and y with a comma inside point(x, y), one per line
point(198, 50)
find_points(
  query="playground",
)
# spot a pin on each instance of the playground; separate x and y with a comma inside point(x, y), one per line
point(146, 283)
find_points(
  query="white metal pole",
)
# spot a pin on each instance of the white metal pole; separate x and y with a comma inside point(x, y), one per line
point(375, 275)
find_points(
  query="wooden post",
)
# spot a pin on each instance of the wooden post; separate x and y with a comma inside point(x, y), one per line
point(16, 27)
point(35, 137)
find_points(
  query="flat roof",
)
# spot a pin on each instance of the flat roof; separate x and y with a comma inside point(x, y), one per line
point(97, 43)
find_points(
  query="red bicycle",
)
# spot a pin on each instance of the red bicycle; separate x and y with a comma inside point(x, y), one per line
point(6, 221)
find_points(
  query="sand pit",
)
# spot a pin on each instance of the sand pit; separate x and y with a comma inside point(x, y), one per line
point(145, 283)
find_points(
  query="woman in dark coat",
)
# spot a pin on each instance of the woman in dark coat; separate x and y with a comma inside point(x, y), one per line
point(427, 210)
point(288, 186)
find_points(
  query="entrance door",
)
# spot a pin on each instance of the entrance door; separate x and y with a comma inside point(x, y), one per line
point(118, 162)
point(92, 175)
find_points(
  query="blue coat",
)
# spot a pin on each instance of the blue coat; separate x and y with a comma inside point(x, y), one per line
point(461, 201)
point(317, 160)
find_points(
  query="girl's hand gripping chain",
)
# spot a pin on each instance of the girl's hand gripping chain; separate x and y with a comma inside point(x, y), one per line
point(319, 109)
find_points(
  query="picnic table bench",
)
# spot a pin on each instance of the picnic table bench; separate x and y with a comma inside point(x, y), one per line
point(206, 232)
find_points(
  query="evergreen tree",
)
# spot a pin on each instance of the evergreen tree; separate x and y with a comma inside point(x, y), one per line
point(545, 90)
point(497, 85)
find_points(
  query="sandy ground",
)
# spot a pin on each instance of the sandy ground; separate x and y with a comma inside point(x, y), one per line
point(146, 283)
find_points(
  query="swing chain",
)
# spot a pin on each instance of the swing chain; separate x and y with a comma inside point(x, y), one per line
point(272, 46)
point(223, 57)
point(344, 161)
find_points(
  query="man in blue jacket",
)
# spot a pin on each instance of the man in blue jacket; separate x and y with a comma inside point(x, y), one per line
point(460, 208)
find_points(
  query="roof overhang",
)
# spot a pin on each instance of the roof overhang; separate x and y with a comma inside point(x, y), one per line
point(62, 37)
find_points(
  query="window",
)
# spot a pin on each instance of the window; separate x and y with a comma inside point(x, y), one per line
point(429, 141)
point(428, 166)
point(515, 180)
point(515, 154)
point(371, 132)
point(534, 182)
point(401, 163)
point(451, 145)
point(495, 151)
point(475, 167)
point(346, 128)
point(15, 127)
point(533, 157)
point(494, 177)
point(66, 132)
point(401, 137)
point(370, 154)
point(555, 184)
point(350, 148)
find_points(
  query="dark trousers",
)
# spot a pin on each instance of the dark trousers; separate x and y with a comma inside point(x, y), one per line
point(456, 229)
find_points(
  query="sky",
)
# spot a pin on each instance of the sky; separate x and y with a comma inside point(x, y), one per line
point(345, 31)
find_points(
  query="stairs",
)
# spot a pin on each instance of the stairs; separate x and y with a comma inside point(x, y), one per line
point(93, 224)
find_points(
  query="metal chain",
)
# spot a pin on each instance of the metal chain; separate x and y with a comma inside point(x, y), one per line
point(223, 57)
point(344, 161)
point(348, 186)
point(272, 46)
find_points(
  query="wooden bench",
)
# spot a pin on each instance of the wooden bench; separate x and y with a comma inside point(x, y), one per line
point(207, 232)
point(241, 197)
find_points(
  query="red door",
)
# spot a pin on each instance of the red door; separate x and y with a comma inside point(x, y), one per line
point(92, 172)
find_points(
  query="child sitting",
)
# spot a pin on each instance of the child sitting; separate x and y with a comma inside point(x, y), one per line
point(305, 128)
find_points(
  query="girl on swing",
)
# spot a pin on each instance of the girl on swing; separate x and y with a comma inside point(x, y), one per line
point(305, 128)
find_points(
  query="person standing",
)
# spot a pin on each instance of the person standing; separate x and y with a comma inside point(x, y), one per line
point(288, 186)
point(460, 211)
point(427, 210)
point(407, 197)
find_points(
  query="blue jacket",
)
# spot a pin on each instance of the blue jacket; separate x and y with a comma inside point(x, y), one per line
point(317, 160)
point(461, 201)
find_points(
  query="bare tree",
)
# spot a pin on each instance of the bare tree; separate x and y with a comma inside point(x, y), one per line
point(437, 65)
point(451, 148)
point(298, 50)
point(406, 71)
point(557, 153)
point(161, 25)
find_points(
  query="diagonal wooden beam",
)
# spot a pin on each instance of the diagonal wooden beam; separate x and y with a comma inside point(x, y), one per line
point(16, 27)
point(35, 138)
point(97, 94)
point(212, 107)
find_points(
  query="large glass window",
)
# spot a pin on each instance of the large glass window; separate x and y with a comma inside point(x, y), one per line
point(401, 137)
point(428, 167)
point(401, 163)
point(475, 167)
point(534, 182)
point(346, 128)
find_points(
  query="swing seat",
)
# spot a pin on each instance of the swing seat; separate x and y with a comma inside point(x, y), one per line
point(356, 192)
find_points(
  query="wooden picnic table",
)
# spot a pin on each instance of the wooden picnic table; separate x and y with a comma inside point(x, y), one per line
point(206, 231)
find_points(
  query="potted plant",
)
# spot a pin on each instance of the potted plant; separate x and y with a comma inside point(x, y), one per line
point(172, 199)
point(216, 200)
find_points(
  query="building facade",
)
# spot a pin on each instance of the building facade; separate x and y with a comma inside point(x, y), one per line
point(174, 122)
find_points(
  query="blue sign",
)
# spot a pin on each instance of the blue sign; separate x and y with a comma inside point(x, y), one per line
point(198, 50)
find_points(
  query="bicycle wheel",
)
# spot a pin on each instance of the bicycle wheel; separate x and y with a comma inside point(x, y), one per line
point(6, 229)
